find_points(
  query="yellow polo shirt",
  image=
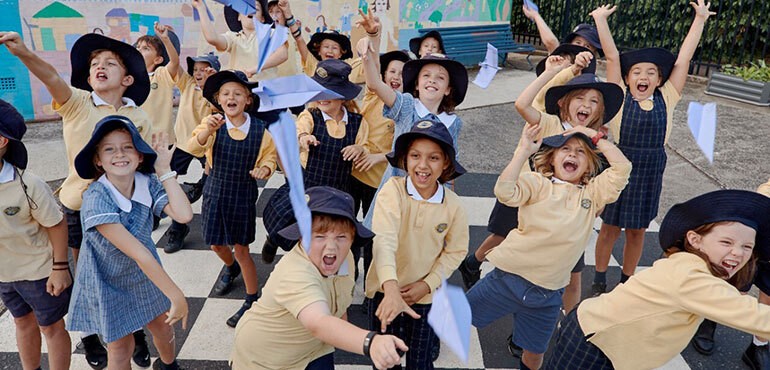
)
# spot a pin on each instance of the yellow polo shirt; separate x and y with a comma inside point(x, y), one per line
point(560, 79)
point(356, 75)
point(380, 139)
point(651, 318)
point(670, 96)
point(192, 108)
point(79, 117)
point(268, 154)
point(159, 105)
point(244, 54)
point(270, 335)
point(336, 129)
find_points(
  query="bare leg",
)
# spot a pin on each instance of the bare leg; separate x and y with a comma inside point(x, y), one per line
point(632, 250)
point(59, 345)
point(28, 341)
point(532, 360)
point(224, 253)
point(119, 353)
point(608, 234)
point(571, 295)
point(163, 338)
point(248, 268)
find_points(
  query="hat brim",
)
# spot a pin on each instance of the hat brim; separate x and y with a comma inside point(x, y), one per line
point(558, 140)
point(611, 93)
point(315, 43)
point(292, 232)
point(202, 59)
point(84, 161)
point(390, 56)
point(416, 42)
point(395, 158)
point(747, 207)
point(592, 39)
point(458, 76)
point(568, 49)
point(215, 81)
point(347, 89)
point(16, 154)
point(662, 58)
point(132, 59)
point(231, 18)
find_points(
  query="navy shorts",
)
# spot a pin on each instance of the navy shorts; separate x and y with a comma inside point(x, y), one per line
point(74, 228)
point(23, 297)
point(180, 161)
point(535, 309)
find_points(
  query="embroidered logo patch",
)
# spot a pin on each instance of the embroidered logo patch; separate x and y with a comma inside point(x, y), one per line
point(586, 203)
point(321, 72)
point(441, 227)
point(307, 198)
point(154, 85)
point(424, 124)
point(10, 211)
point(140, 128)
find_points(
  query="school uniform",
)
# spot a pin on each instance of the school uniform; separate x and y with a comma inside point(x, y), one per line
point(380, 140)
point(112, 296)
point(193, 107)
point(560, 79)
point(270, 335)
point(230, 193)
point(159, 105)
point(356, 64)
point(641, 133)
point(244, 53)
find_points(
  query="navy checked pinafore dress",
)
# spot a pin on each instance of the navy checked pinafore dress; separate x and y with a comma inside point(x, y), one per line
point(325, 167)
point(229, 209)
point(642, 136)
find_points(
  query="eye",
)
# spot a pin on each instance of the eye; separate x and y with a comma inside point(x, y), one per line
point(748, 247)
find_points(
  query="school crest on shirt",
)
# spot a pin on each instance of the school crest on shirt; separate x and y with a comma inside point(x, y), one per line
point(154, 85)
point(424, 124)
point(441, 227)
point(10, 211)
point(586, 203)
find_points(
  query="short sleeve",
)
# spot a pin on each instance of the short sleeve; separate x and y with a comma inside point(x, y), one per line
point(74, 106)
point(517, 193)
point(670, 95)
point(47, 213)
point(99, 207)
point(159, 197)
point(299, 289)
point(230, 37)
point(402, 106)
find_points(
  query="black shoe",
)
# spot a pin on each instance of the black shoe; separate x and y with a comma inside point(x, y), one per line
point(703, 341)
point(226, 281)
point(269, 249)
point(233, 320)
point(194, 191)
point(757, 357)
point(470, 276)
point(141, 354)
point(96, 354)
point(435, 350)
point(176, 238)
point(513, 348)
point(598, 289)
point(159, 365)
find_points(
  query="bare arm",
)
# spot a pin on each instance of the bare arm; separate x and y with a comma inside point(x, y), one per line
point(301, 45)
point(178, 207)
point(611, 53)
point(527, 146)
point(371, 60)
point(546, 35)
point(679, 73)
point(173, 56)
point(59, 89)
point(553, 66)
point(59, 279)
point(207, 27)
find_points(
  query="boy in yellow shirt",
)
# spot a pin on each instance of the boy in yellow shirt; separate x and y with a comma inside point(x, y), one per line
point(161, 58)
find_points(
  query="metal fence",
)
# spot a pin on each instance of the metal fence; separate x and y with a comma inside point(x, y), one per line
point(738, 34)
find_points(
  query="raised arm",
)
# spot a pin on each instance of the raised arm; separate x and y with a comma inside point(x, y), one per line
point(173, 56)
point(679, 73)
point(207, 27)
point(611, 53)
point(178, 207)
point(553, 66)
point(546, 35)
point(528, 145)
point(301, 45)
point(46, 73)
point(371, 60)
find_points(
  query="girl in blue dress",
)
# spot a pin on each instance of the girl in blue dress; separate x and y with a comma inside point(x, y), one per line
point(120, 285)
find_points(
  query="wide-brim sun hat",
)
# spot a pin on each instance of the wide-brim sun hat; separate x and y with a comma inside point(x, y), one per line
point(132, 60)
point(558, 140)
point(315, 43)
point(662, 58)
point(210, 58)
point(330, 201)
point(430, 129)
point(587, 32)
point(215, 81)
point(390, 56)
point(567, 49)
point(12, 127)
point(416, 42)
point(84, 161)
point(747, 207)
point(458, 75)
point(334, 74)
point(611, 93)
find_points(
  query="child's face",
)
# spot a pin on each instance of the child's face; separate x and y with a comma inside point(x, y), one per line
point(233, 98)
point(583, 108)
point(429, 46)
point(277, 15)
point(642, 80)
point(247, 21)
point(199, 69)
point(433, 82)
point(380, 6)
point(151, 56)
point(107, 73)
point(330, 107)
point(330, 49)
point(425, 162)
point(328, 249)
point(570, 162)
point(393, 75)
point(581, 41)
point(727, 244)
point(117, 155)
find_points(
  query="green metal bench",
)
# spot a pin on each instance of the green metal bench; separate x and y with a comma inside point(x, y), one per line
point(468, 45)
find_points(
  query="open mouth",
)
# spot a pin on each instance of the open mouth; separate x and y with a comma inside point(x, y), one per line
point(395, 84)
point(730, 265)
point(570, 166)
point(431, 88)
point(642, 87)
point(422, 177)
point(329, 260)
point(101, 76)
point(120, 164)
point(232, 105)
point(582, 115)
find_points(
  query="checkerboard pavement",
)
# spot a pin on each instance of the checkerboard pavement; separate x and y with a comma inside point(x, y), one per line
point(207, 342)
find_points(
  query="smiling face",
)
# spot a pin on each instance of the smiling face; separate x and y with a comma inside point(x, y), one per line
point(381, 6)
point(107, 72)
point(199, 74)
point(116, 154)
point(583, 107)
point(642, 80)
point(233, 98)
point(277, 15)
point(331, 239)
point(570, 161)
point(433, 83)
point(392, 76)
point(331, 107)
point(429, 46)
point(425, 162)
point(329, 49)
point(728, 245)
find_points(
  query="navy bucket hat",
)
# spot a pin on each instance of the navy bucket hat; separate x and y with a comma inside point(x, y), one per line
point(431, 129)
point(612, 94)
point(587, 32)
point(133, 61)
point(570, 50)
point(218, 79)
point(333, 75)
point(329, 201)
point(177, 46)
point(12, 127)
point(390, 56)
point(416, 42)
point(209, 58)
point(458, 75)
point(747, 207)
point(84, 161)
point(315, 43)
point(662, 58)
point(558, 140)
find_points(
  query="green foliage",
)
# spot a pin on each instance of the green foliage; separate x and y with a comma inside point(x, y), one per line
point(758, 71)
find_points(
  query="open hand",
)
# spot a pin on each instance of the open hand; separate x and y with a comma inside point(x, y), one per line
point(531, 14)
point(369, 22)
point(383, 351)
point(352, 152)
point(391, 306)
point(161, 30)
point(702, 9)
point(556, 63)
point(178, 311)
point(603, 11)
point(160, 144)
point(529, 142)
point(414, 292)
point(285, 8)
point(581, 129)
point(367, 161)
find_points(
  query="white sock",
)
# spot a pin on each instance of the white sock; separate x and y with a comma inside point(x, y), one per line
point(758, 342)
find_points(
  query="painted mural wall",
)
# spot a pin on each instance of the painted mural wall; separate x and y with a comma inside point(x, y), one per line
point(50, 28)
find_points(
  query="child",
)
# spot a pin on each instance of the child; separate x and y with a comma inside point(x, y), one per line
point(291, 67)
point(193, 107)
point(120, 285)
point(421, 236)
point(653, 87)
point(302, 314)
point(331, 136)
point(241, 42)
point(429, 43)
point(584, 35)
point(35, 282)
point(108, 77)
point(712, 243)
point(238, 150)
point(161, 58)
point(557, 206)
